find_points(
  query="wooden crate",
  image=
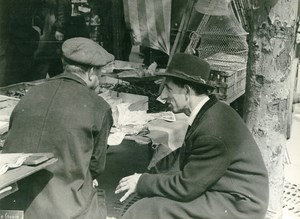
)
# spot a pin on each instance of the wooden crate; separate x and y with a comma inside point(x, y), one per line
point(229, 80)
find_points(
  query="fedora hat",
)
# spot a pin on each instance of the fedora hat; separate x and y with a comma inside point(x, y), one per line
point(190, 68)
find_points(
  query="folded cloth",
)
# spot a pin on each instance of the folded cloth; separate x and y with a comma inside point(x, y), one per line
point(167, 136)
point(11, 160)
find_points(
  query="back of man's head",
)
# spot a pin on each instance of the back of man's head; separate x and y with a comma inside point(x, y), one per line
point(84, 54)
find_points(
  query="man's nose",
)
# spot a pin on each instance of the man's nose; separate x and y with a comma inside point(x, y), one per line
point(163, 96)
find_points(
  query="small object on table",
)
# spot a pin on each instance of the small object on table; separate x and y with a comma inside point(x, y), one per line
point(35, 159)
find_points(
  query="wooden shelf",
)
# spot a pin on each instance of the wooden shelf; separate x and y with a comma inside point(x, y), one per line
point(11, 177)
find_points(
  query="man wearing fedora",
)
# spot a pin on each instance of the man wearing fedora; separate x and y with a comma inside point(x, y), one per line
point(221, 173)
point(66, 117)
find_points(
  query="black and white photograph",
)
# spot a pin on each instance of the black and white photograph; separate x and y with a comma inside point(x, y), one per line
point(149, 109)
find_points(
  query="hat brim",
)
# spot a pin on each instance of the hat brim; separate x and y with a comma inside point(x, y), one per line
point(187, 78)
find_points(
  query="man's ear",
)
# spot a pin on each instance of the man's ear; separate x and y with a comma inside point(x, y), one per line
point(187, 93)
point(90, 73)
point(187, 89)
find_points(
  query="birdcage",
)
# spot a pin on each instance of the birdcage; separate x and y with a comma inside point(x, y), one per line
point(223, 38)
point(223, 44)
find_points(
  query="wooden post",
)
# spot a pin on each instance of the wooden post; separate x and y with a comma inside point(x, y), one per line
point(182, 28)
point(116, 27)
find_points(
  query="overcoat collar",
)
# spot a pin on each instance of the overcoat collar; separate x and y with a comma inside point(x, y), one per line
point(212, 100)
point(70, 76)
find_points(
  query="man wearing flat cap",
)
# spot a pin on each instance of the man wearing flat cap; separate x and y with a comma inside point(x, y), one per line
point(221, 173)
point(66, 117)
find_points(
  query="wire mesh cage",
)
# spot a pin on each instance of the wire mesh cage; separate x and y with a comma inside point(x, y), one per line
point(223, 38)
point(213, 7)
point(223, 44)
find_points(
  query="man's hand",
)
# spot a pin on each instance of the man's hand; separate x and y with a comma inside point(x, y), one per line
point(127, 184)
point(59, 36)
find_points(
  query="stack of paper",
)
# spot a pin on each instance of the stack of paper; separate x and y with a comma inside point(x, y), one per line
point(7, 104)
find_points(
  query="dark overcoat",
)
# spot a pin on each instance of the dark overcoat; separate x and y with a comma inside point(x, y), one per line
point(65, 117)
point(222, 173)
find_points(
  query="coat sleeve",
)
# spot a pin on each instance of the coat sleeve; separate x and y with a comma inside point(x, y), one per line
point(98, 158)
point(206, 163)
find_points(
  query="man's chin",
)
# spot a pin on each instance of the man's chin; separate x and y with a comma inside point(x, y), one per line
point(176, 111)
point(172, 109)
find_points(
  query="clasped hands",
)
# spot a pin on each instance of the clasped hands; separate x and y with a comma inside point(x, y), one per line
point(127, 184)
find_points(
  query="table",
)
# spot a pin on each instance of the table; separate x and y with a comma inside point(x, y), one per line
point(8, 181)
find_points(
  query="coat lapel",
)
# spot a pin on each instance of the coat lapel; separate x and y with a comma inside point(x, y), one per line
point(191, 129)
point(207, 105)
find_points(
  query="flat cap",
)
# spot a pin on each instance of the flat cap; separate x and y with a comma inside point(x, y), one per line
point(85, 51)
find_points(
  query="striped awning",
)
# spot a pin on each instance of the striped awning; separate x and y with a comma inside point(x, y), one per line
point(149, 22)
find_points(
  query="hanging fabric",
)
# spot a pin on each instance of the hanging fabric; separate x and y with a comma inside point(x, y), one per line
point(149, 22)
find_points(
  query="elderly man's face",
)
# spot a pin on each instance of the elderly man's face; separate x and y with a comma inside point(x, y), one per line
point(175, 96)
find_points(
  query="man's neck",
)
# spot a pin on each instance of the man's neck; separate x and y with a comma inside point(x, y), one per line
point(195, 100)
point(196, 106)
point(84, 78)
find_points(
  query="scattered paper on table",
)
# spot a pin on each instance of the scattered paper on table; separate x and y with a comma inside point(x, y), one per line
point(115, 138)
point(127, 117)
point(3, 127)
point(167, 116)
